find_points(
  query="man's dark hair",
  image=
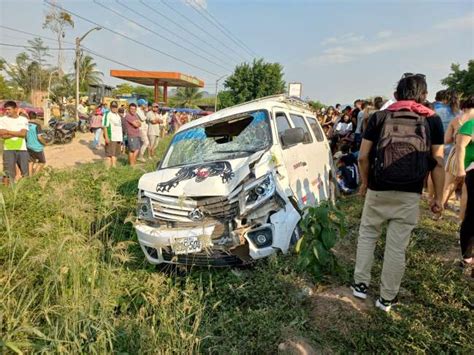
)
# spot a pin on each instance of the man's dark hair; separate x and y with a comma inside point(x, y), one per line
point(348, 108)
point(132, 105)
point(364, 105)
point(412, 88)
point(467, 103)
point(378, 102)
point(345, 148)
point(10, 104)
point(338, 105)
point(440, 95)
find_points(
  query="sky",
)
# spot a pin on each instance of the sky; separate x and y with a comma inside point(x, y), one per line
point(338, 50)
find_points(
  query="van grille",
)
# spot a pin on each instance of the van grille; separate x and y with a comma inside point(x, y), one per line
point(170, 208)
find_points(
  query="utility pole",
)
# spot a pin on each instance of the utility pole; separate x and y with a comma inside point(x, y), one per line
point(78, 62)
point(217, 92)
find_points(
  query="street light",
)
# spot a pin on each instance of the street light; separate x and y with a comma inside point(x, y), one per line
point(78, 57)
point(217, 83)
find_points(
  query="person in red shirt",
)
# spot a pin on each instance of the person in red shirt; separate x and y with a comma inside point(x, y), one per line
point(132, 127)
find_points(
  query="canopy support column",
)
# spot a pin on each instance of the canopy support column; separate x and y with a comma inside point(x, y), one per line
point(157, 91)
point(165, 93)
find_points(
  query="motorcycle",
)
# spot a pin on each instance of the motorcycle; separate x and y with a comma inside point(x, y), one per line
point(62, 132)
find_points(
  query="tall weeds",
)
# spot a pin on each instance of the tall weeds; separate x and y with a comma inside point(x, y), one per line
point(72, 277)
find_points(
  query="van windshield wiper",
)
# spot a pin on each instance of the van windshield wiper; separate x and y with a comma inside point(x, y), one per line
point(237, 151)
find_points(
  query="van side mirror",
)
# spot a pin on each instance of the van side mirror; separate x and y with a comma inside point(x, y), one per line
point(292, 136)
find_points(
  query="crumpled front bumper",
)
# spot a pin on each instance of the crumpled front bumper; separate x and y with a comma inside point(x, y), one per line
point(156, 242)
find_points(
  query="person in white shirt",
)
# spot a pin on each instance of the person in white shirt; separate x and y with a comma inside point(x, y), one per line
point(82, 110)
point(155, 122)
point(13, 130)
point(145, 143)
point(344, 127)
point(113, 134)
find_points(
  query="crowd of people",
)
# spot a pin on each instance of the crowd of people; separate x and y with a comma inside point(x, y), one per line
point(389, 151)
point(137, 128)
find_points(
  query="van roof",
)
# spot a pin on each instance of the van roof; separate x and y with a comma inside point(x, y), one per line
point(267, 102)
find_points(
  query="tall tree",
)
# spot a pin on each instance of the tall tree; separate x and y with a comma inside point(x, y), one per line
point(252, 81)
point(26, 74)
point(39, 51)
point(188, 97)
point(88, 73)
point(58, 21)
point(461, 80)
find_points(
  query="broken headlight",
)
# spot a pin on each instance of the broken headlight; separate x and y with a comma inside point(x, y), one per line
point(144, 209)
point(259, 191)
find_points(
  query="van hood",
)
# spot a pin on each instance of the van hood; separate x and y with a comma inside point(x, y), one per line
point(216, 178)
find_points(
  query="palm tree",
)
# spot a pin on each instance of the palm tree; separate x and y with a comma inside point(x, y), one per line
point(187, 97)
point(88, 73)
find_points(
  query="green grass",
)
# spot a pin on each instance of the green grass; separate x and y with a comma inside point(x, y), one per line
point(74, 280)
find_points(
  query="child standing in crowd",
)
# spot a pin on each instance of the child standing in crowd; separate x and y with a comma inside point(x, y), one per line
point(35, 146)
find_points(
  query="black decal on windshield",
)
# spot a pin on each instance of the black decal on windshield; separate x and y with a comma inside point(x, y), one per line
point(201, 172)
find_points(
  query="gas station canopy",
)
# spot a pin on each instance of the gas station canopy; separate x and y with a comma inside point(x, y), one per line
point(158, 78)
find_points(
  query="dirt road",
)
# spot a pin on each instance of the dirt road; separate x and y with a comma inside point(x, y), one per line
point(74, 153)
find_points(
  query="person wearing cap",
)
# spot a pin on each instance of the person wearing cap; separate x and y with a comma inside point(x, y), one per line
point(145, 142)
point(113, 134)
point(155, 122)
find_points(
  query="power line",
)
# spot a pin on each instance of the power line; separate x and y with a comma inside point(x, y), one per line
point(24, 46)
point(219, 28)
point(83, 47)
point(129, 38)
point(184, 29)
point(173, 33)
point(243, 45)
point(202, 29)
point(33, 34)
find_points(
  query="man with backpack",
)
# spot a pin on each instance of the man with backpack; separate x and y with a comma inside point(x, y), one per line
point(401, 145)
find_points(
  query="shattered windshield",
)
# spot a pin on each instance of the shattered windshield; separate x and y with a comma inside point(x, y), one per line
point(235, 137)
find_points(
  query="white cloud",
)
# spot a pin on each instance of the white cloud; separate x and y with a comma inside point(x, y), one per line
point(383, 34)
point(197, 3)
point(460, 23)
point(346, 38)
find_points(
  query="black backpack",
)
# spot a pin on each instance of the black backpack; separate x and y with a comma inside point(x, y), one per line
point(403, 150)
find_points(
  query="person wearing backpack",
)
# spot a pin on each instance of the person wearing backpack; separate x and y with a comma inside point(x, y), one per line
point(401, 145)
point(35, 146)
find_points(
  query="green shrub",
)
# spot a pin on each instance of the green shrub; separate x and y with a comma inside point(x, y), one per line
point(321, 228)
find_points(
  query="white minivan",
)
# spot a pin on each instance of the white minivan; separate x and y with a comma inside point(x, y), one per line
point(232, 186)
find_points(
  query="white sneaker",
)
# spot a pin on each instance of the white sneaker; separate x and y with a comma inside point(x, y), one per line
point(385, 305)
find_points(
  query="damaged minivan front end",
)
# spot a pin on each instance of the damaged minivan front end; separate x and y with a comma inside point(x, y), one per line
point(216, 199)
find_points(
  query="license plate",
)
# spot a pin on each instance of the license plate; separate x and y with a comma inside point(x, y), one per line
point(187, 245)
